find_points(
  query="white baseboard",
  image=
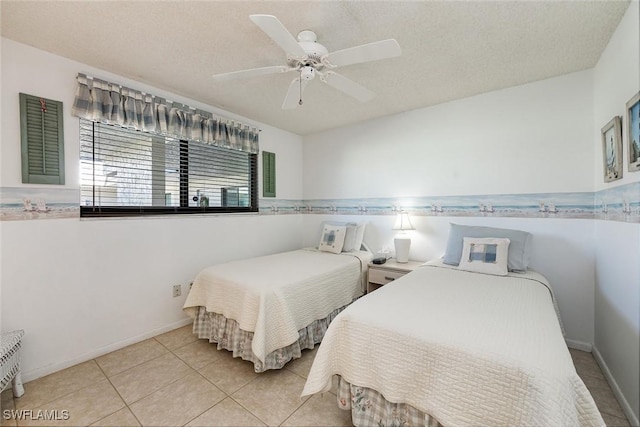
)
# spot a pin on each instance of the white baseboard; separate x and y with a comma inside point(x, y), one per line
point(633, 418)
point(50, 369)
point(579, 345)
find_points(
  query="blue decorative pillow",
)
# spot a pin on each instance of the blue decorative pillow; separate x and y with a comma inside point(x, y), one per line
point(519, 247)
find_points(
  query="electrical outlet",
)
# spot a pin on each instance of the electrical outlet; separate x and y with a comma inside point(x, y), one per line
point(177, 290)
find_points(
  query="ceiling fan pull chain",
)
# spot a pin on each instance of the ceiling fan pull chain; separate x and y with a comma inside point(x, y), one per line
point(300, 101)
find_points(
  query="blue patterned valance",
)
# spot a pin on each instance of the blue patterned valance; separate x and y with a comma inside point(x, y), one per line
point(111, 103)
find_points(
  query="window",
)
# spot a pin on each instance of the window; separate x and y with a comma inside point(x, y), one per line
point(128, 172)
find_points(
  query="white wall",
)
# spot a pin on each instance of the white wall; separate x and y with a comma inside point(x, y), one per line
point(81, 288)
point(617, 298)
point(528, 139)
point(617, 308)
point(616, 80)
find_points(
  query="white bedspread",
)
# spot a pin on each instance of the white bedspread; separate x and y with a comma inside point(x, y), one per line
point(466, 348)
point(274, 296)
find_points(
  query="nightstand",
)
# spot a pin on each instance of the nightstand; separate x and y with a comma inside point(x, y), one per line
point(381, 274)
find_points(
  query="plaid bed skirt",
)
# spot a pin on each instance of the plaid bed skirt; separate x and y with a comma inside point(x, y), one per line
point(228, 335)
point(370, 408)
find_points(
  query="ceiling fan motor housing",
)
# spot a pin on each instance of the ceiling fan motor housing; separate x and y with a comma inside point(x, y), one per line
point(314, 50)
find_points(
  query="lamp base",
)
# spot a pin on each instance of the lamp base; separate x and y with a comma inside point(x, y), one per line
point(402, 243)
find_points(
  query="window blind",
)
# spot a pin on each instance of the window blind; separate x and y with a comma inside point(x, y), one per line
point(129, 172)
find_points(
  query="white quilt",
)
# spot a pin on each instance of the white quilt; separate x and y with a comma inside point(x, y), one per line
point(466, 348)
point(275, 296)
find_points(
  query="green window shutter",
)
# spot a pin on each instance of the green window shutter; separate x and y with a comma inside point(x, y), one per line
point(268, 174)
point(42, 137)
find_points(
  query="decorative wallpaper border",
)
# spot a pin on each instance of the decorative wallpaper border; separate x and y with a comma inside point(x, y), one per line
point(28, 203)
point(621, 203)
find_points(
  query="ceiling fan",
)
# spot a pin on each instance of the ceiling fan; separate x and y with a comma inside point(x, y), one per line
point(309, 58)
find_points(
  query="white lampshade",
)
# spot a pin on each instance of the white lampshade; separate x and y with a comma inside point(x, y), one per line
point(402, 241)
point(403, 222)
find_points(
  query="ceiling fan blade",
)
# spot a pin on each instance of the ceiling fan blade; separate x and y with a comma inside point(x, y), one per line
point(348, 86)
point(279, 34)
point(253, 72)
point(294, 94)
point(365, 53)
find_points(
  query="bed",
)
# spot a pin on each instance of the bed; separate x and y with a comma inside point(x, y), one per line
point(268, 309)
point(447, 346)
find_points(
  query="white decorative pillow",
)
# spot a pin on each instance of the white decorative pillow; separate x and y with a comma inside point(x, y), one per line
point(359, 236)
point(349, 237)
point(353, 237)
point(485, 255)
point(332, 238)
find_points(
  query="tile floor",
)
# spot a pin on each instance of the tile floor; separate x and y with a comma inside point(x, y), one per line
point(175, 380)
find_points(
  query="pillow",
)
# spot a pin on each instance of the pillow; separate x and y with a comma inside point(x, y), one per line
point(485, 255)
point(350, 237)
point(519, 248)
point(358, 238)
point(332, 238)
point(353, 236)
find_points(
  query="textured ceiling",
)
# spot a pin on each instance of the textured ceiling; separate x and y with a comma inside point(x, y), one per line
point(450, 50)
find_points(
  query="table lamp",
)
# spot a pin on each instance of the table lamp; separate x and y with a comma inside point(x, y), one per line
point(402, 240)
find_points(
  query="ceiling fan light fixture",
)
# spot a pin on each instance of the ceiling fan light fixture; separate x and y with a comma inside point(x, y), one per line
point(307, 73)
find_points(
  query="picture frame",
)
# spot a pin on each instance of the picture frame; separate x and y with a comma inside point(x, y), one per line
point(612, 150)
point(633, 133)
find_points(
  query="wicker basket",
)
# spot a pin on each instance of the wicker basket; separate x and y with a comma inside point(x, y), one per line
point(11, 343)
